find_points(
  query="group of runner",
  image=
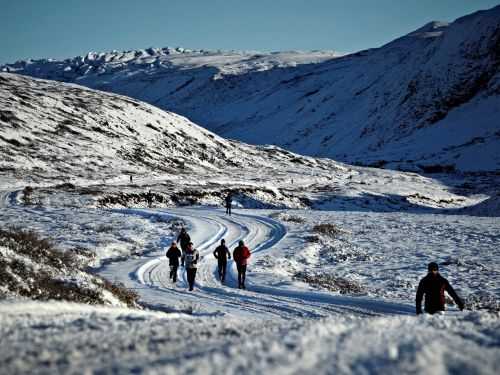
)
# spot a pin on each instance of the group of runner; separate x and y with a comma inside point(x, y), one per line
point(432, 286)
point(188, 257)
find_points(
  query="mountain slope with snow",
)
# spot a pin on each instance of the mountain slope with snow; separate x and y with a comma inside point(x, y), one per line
point(55, 133)
point(52, 130)
point(429, 98)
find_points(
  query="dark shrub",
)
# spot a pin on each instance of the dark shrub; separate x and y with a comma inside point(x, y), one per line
point(331, 282)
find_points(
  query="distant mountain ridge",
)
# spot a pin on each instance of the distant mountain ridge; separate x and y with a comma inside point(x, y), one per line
point(429, 100)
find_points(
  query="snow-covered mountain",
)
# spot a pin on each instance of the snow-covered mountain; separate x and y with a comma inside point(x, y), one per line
point(430, 98)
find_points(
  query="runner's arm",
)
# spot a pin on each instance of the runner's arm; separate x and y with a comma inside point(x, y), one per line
point(418, 298)
point(454, 295)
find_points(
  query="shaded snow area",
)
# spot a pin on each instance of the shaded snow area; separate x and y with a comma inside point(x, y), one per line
point(425, 101)
point(75, 339)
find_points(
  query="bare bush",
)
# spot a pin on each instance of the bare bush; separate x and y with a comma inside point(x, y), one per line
point(343, 252)
point(483, 301)
point(283, 216)
point(331, 282)
point(29, 243)
point(124, 294)
point(37, 269)
point(312, 238)
point(329, 230)
point(49, 288)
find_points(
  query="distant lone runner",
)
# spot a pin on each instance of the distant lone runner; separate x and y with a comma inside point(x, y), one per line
point(222, 253)
point(190, 260)
point(433, 287)
point(173, 254)
point(149, 198)
point(240, 256)
point(229, 202)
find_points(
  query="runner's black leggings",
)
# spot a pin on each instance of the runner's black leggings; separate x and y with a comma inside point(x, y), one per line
point(222, 269)
point(191, 275)
point(173, 272)
point(242, 270)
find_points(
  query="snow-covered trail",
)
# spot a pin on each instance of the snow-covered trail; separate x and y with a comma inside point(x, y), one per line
point(149, 275)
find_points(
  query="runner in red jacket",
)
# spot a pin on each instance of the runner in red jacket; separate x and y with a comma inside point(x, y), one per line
point(240, 256)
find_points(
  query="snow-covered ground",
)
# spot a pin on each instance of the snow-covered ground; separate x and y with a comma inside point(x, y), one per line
point(279, 324)
point(72, 339)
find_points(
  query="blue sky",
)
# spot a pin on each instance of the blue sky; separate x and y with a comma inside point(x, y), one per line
point(66, 28)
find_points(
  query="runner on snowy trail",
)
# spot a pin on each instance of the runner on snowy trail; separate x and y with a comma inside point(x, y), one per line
point(222, 253)
point(184, 239)
point(149, 198)
point(190, 260)
point(433, 286)
point(240, 256)
point(229, 201)
point(173, 254)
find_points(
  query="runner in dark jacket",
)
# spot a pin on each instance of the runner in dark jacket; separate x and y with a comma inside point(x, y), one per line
point(184, 240)
point(222, 253)
point(229, 202)
point(173, 254)
point(433, 286)
point(240, 256)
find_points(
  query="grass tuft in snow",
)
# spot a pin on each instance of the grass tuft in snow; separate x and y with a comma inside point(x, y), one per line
point(283, 216)
point(329, 230)
point(330, 282)
point(41, 250)
point(32, 267)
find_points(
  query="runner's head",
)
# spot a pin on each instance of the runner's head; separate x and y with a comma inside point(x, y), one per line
point(223, 241)
point(174, 244)
point(190, 246)
point(433, 267)
point(241, 243)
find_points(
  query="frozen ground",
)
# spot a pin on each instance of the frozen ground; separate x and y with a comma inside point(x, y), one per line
point(73, 339)
point(280, 324)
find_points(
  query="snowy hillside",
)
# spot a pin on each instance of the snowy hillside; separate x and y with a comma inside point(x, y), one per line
point(429, 100)
point(51, 130)
point(54, 133)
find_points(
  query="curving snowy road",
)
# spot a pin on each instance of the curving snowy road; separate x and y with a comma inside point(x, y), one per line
point(150, 275)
